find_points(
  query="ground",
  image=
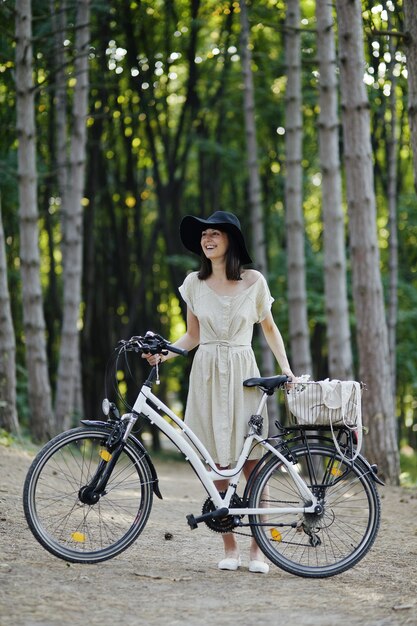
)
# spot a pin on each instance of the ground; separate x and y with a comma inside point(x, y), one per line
point(162, 581)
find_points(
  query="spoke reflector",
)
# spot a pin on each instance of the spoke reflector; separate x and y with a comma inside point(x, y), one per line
point(78, 537)
point(276, 535)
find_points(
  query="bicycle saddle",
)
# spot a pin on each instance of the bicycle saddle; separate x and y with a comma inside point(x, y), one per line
point(267, 384)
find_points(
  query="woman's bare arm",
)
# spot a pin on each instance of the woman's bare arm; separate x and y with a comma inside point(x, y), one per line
point(188, 341)
point(276, 343)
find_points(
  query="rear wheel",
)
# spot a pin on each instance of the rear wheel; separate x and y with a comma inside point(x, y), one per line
point(322, 544)
point(83, 532)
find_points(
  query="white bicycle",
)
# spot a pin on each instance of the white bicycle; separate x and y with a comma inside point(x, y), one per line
point(312, 510)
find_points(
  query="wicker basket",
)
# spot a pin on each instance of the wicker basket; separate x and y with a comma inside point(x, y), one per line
point(326, 403)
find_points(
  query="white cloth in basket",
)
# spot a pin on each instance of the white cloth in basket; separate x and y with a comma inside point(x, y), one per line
point(343, 398)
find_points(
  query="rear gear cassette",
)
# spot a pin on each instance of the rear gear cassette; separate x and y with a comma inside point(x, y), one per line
point(223, 524)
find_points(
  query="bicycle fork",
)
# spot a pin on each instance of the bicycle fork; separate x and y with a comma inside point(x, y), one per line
point(96, 488)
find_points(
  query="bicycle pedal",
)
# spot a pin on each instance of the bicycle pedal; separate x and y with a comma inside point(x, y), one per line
point(192, 522)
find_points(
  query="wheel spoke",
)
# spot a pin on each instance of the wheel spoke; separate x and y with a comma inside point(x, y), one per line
point(81, 532)
point(323, 544)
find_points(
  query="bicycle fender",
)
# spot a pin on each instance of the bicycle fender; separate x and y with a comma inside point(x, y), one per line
point(155, 479)
point(94, 423)
point(373, 470)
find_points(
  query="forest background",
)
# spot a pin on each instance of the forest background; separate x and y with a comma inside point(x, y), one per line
point(118, 117)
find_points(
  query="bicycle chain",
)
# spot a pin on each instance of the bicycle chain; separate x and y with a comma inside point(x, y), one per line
point(225, 524)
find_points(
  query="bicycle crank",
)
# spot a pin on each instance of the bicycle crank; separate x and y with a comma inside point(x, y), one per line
point(218, 520)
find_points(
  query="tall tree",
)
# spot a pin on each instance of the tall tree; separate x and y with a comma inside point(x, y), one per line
point(372, 335)
point(8, 412)
point(59, 27)
point(410, 15)
point(254, 186)
point(392, 161)
point(337, 313)
point(297, 294)
point(33, 317)
point(72, 223)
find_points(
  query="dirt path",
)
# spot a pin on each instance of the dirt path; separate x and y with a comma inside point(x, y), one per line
point(169, 582)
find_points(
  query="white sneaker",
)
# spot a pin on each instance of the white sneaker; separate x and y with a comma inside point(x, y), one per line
point(230, 564)
point(258, 567)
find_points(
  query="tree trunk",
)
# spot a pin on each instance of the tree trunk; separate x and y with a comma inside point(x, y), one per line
point(58, 14)
point(33, 317)
point(73, 227)
point(392, 154)
point(372, 335)
point(297, 296)
point(410, 15)
point(255, 200)
point(337, 313)
point(8, 412)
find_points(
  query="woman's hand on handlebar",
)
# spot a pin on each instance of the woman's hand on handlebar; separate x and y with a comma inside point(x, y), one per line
point(154, 359)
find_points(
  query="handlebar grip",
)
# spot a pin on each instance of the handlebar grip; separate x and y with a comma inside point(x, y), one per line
point(177, 350)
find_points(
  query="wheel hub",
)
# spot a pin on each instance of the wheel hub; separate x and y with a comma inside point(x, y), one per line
point(87, 495)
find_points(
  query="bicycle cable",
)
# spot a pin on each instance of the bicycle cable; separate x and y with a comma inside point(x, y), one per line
point(112, 367)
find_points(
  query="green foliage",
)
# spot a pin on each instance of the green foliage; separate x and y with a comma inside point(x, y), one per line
point(165, 138)
point(6, 439)
point(21, 442)
point(408, 461)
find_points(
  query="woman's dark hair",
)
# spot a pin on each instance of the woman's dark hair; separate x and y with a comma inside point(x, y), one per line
point(233, 264)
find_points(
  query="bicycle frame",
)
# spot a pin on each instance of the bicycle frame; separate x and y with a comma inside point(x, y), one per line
point(88, 493)
point(150, 406)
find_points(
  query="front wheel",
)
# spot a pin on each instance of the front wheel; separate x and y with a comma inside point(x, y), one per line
point(83, 532)
point(331, 541)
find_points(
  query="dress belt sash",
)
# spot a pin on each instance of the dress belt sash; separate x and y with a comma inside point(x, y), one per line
point(224, 351)
point(225, 344)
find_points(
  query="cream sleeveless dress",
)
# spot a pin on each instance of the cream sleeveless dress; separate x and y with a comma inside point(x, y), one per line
point(218, 405)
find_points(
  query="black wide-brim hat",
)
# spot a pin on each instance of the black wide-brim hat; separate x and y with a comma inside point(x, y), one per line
point(191, 228)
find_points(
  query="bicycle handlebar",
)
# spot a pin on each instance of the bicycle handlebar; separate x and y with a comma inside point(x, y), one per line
point(150, 343)
point(176, 350)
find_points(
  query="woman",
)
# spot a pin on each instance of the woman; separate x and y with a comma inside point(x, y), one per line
point(223, 303)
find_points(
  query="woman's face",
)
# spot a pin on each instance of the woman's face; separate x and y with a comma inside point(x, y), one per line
point(214, 243)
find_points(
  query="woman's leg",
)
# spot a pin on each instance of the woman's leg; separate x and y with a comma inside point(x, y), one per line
point(231, 548)
point(256, 556)
point(255, 552)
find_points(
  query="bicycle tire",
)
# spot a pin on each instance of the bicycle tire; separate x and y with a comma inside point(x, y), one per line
point(316, 546)
point(83, 533)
